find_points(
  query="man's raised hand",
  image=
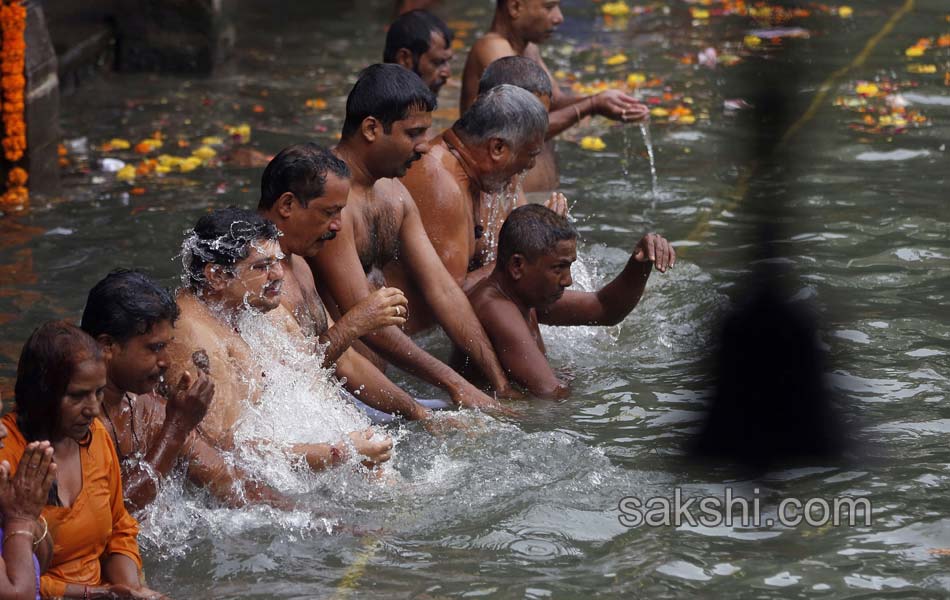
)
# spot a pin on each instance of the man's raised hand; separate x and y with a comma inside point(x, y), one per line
point(656, 249)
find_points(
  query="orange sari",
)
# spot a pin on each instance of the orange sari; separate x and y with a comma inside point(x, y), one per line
point(96, 525)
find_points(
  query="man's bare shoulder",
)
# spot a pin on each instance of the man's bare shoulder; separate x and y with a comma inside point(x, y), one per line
point(484, 296)
point(432, 182)
point(490, 47)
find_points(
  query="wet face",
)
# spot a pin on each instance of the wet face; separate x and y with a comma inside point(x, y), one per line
point(537, 20)
point(257, 280)
point(544, 279)
point(404, 144)
point(80, 405)
point(433, 67)
point(311, 227)
point(509, 162)
point(138, 364)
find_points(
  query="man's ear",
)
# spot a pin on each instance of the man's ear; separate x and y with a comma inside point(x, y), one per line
point(498, 150)
point(216, 276)
point(285, 204)
point(515, 8)
point(516, 266)
point(371, 129)
point(108, 344)
point(404, 58)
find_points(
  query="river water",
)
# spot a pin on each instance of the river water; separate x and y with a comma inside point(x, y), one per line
point(529, 508)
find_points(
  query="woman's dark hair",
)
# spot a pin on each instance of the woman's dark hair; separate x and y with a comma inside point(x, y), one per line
point(302, 170)
point(413, 31)
point(532, 230)
point(126, 304)
point(387, 92)
point(223, 237)
point(48, 361)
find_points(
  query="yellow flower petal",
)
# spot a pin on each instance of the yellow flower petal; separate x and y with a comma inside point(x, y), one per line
point(126, 173)
point(845, 12)
point(204, 153)
point(914, 51)
point(593, 143)
point(635, 79)
point(119, 144)
point(699, 13)
point(659, 112)
point(615, 9)
point(919, 68)
point(211, 140)
point(866, 89)
point(752, 41)
point(616, 59)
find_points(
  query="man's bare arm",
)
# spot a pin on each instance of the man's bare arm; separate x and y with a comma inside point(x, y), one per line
point(383, 308)
point(229, 484)
point(339, 272)
point(518, 350)
point(183, 411)
point(445, 297)
point(373, 388)
point(615, 300)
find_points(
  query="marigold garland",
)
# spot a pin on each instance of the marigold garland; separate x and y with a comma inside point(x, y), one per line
point(13, 85)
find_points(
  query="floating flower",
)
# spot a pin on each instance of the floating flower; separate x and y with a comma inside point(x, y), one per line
point(845, 12)
point(317, 103)
point(635, 79)
point(258, 108)
point(921, 69)
point(148, 145)
point(866, 89)
point(752, 41)
point(211, 140)
point(914, 51)
point(615, 9)
point(241, 133)
point(699, 13)
point(592, 143)
point(116, 144)
point(204, 153)
point(126, 173)
point(659, 111)
point(616, 59)
point(189, 164)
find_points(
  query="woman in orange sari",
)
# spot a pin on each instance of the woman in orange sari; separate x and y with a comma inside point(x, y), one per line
point(59, 385)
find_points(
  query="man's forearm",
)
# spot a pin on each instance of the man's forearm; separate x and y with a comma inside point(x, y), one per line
point(569, 115)
point(396, 347)
point(621, 295)
point(459, 321)
point(142, 482)
point(373, 388)
point(338, 338)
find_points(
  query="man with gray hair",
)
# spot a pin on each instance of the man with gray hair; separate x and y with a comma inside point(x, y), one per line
point(460, 186)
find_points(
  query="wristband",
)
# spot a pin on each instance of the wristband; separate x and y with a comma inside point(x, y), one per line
point(18, 532)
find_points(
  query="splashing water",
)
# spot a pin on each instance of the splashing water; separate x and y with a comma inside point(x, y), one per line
point(648, 142)
point(499, 205)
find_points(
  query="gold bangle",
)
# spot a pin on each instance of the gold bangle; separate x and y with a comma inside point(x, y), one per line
point(577, 111)
point(17, 532)
point(45, 532)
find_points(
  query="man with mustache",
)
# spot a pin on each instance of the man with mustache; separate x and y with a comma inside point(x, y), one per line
point(459, 186)
point(388, 112)
point(304, 191)
point(132, 319)
point(528, 286)
point(232, 263)
point(517, 29)
point(422, 43)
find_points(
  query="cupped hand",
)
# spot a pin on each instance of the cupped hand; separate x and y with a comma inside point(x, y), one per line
point(190, 399)
point(119, 591)
point(656, 249)
point(384, 307)
point(558, 203)
point(618, 106)
point(375, 452)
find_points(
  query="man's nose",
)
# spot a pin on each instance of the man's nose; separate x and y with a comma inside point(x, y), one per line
point(422, 147)
point(162, 359)
point(557, 17)
point(445, 71)
point(567, 281)
point(276, 271)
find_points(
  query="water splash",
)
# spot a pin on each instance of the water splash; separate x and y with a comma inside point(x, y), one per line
point(499, 204)
point(648, 142)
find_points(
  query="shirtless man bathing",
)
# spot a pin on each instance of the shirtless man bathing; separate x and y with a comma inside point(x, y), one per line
point(133, 320)
point(232, 262)
point(388, 112)
point(517, 29)
point(500, 136)
point(529, 286)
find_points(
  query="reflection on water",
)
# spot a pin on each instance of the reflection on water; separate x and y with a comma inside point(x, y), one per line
point(529, 509)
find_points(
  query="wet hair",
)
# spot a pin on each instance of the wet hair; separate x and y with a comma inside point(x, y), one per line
point(223, 237)
point(532, 230)
point(387, 92)
point(126, 304)
point(48, 362)
point(302, 170)
point(516, 70)
point(507, 112)
point(413, 30)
